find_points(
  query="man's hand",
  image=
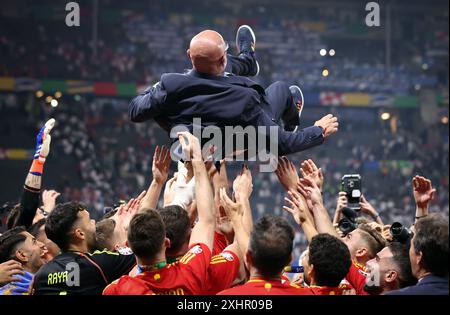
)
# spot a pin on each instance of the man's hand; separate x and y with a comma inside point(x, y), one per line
point(297, 208)
point(242, 185)
point(126, 211)
point(342, 201)
point(423, 191)
point(311, 192)
point(160, 166)
point(367, 208)
point(233, 209)
point(329, 124)
point(287, 174)
point(7, 271)
point(49, 199)
point(309, 170)
point(191, 146)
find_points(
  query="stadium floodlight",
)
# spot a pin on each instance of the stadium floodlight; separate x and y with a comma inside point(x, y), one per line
point(331, 52)
point(54, 103)
point(325, 72)
point(385, 116)
point(39, 94)
point(58, 94)
point(323, 52)
point(48, 99)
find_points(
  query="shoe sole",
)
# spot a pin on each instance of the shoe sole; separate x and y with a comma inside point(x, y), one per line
point(254, 41)
point(303, 103)
point(251, 32)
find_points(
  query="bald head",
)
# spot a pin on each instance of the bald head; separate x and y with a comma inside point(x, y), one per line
point(207, 52)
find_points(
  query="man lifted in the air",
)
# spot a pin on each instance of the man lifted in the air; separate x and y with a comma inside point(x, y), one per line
point(221, 98)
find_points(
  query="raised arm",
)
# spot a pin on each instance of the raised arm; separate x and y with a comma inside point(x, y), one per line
point(423, 193)
point(313, 196)
point(235, 211)
point(160, 171)
point(31, 190)
point(203, 231)
point(242, 189)
point(301, 214)
point(147, 105)
point(368, 209)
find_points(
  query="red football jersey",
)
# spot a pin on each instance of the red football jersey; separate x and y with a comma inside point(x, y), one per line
point(222, 271)
point(184, 277)
point(267, 287)
point(220, 243)
point(318, 290)
point(357, 277)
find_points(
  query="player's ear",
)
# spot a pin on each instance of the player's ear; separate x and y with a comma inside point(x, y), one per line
point(188, 53)
point(361, 252)
point(167, 243)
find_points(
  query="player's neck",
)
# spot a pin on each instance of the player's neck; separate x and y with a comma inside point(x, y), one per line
point(155, 261)
point(81, 248)
point(255, 274)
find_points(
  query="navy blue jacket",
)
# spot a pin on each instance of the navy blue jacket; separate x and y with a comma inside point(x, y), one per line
point(428, 285)
point(219, 101)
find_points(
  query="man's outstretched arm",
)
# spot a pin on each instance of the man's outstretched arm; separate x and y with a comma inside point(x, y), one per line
point(32, 188)
point(292, 142)
point(146, 105)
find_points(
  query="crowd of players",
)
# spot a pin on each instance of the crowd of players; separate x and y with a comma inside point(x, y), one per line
point(203, 239)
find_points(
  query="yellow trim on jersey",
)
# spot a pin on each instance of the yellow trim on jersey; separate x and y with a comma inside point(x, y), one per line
point(105, 251)
point(218, 262)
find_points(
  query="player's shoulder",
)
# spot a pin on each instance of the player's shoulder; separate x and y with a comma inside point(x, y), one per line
point(127, 285)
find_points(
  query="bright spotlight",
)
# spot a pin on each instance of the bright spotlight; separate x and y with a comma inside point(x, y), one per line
point(54, 103)
point(332, 52)
point(323, 52)
point(325, 72)
point(39, 94)
point(385, 116)
point(48, 99)
point(58, 94)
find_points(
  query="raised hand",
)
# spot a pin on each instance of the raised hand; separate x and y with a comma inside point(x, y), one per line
point(298, 209)
point(242, 185)
point(191, 146)
point(329, 124)
point(233, 209)
point(160, 165)
point(49, 199)
point(311, 192)
point(309, 170)
point(423, 191)
point(287, 174)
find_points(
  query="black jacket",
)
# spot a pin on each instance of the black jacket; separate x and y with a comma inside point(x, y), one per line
point(429, 285)
point(217, 100)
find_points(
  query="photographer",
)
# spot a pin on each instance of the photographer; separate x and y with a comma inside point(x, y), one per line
point(429, 257)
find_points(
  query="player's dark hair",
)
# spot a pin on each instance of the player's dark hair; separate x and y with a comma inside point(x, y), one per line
point(60, 221)
point(177, 224)
point(331, 259)
point(271, 243)
point(400, 256)
point(146, 234)
point(9, 242)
